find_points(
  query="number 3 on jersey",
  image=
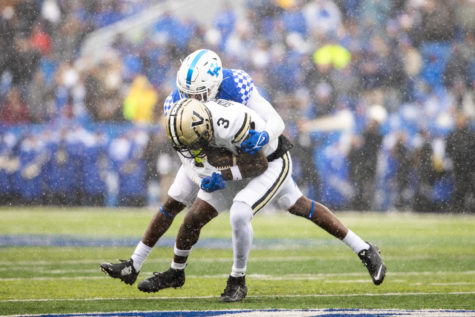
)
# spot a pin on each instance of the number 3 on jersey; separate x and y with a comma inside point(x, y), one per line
point(223, 122)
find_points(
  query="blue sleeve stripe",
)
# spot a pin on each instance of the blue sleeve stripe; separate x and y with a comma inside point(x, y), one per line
point(192, 66)
point(311, 210)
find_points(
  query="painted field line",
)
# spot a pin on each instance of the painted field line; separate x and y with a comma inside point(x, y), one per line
point(8, 264)
point(164, 260)
point(249, 296)
point(391, 273)
point(281, 313)
point(317, 276)
point(343, 313)
point(224, 276)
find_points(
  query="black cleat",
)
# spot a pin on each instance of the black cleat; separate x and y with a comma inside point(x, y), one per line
point(235, 290)
point(124, 270)
point(171, 278)
point(371, 258)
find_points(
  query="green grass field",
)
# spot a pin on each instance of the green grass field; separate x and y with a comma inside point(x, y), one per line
point(295, 265)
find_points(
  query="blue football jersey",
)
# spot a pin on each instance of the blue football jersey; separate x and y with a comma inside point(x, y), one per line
point(236, 86)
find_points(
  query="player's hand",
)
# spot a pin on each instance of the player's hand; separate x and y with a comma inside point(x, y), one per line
point(214, 182)
point(255, 141)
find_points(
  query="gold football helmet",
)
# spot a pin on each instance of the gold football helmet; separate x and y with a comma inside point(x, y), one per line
point(189, 127)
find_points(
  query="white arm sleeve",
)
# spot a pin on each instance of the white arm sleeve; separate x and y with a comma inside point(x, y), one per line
point(190, 170)
point(196, 174)
point(274, 123)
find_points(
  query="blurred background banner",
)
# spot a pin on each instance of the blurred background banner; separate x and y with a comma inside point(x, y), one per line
point(379, 94)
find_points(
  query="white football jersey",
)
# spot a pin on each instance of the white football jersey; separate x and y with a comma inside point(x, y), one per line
point(232, 122)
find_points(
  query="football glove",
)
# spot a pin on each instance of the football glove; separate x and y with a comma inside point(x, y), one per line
point(214, 182)
point(255, 141)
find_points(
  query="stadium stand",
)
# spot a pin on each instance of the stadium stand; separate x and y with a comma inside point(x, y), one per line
point(82, 84)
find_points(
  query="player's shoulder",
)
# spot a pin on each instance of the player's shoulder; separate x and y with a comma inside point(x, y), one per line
point(226, 107)
point(170, 100)
point(237, 85)
point(231, 119)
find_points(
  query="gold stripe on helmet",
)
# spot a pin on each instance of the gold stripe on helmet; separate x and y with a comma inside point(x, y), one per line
point(189, 126)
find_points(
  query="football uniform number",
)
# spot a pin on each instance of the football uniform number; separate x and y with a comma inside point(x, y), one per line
point(223, 103)
point(222, 122)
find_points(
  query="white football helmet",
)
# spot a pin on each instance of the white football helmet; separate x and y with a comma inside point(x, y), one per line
point(200, 75)
point(189, 127)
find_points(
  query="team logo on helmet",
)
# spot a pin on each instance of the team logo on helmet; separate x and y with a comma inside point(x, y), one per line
point(200, 75)
point(198, 119)
point(189, 127)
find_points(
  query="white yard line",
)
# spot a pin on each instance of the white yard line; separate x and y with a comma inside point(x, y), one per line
point(267, 276)
point(250, 296)
point(355, 312)
point(8, 264)
point(317, 276)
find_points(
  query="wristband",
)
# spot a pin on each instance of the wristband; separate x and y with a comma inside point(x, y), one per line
point(235, 172)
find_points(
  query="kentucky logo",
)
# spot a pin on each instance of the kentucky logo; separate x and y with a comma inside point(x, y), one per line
point(197, 119)
point(214, 70)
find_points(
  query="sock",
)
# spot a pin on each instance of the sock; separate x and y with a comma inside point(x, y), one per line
point(181, 253)
point(238, 272)
point(140, 254)
point(178, 266)
point(355, 242)
point(240, 218)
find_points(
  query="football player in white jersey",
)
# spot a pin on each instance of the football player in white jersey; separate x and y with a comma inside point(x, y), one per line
point(193, 126)
point(200, 76)
point(201, 70)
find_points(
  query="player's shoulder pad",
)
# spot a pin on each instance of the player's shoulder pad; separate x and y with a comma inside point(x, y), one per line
point(170, 100)
point(237, 86)
point(233, 120)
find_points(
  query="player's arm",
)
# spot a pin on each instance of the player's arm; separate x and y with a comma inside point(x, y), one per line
point(273, 128)
point(274, 123)
point(193, 171)
point(251, 97)
point(171, 98)
point(236, 167)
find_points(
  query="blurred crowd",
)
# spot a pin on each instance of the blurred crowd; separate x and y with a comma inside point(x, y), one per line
point(380, 93)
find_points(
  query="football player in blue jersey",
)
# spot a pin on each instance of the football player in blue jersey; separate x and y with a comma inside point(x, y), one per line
point(201, 77)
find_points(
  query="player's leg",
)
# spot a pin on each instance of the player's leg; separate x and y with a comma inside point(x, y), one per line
point(159, 224)
point(198, 215)
point(128, 270)
point(181, 193)
point(253, 197)
point(326, 219)
point(323, 217)
point(240, 217)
